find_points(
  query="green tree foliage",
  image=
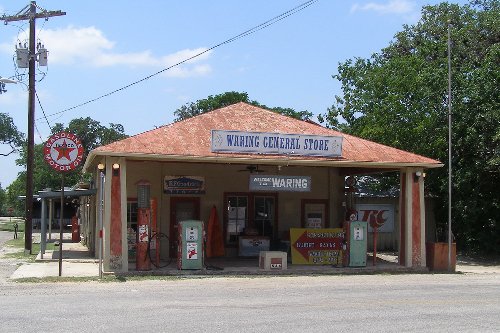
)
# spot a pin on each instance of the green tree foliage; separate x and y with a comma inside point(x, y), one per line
point(9, 135)
point(399, 97)
point(3, 197)
point(89, 131)
point(210, 103)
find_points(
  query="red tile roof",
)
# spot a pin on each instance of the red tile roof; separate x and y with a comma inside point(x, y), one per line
point(190, 139)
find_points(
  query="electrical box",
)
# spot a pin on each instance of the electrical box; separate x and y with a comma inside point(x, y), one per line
point(190, 245)
point(356, 233)
point(42, 57)
point(22, 57)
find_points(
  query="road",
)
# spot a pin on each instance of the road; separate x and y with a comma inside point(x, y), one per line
point(364, 303)
point(377, 303)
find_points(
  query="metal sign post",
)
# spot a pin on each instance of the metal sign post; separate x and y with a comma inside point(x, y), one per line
point(63, 152)
point(61, 225)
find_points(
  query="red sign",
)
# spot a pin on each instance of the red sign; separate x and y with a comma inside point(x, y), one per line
point(63, 151)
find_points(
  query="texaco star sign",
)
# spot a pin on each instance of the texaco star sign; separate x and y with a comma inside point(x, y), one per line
point(63, 151)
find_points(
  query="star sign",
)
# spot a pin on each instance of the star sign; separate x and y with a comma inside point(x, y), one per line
point(64, 151)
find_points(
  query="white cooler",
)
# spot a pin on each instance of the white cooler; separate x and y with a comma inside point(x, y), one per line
point(272, 260)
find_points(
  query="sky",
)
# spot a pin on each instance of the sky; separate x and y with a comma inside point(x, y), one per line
point(101, 46)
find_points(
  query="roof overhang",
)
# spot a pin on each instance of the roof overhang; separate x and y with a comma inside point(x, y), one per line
point(258, 159)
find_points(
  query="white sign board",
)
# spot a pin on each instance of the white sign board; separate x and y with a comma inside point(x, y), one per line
point(280, 183)
point(379, 215)
point(276, 143)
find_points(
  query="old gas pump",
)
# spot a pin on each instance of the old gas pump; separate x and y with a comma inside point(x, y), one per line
point(356, 234)
point(190, 245)
point(143, 225)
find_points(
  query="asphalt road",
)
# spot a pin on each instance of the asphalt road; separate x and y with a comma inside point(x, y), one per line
point(364, 303)
point(378, 303)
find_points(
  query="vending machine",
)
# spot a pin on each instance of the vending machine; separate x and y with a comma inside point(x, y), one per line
point(190, 245)
point(356, 234)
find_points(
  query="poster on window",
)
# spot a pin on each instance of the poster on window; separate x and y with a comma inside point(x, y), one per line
point(235, 226)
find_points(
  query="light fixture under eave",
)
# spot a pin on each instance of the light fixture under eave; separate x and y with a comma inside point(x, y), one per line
point(101, 166)
point(418, 175)
point(116, 166)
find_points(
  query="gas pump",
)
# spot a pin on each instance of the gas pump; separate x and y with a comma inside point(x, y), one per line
point(356, 232)
point(143, 263)
point(190, 250)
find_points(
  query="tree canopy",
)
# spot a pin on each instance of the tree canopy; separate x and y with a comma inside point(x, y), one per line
point(399, 97)
point(89, 131)
point(210, 103)
point(9, 134)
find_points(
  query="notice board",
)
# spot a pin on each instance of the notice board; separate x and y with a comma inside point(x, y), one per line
point(316, 246)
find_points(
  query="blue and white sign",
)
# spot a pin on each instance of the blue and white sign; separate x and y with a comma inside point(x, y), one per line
point(276, 143)
point(275, 183)
point(184, 185)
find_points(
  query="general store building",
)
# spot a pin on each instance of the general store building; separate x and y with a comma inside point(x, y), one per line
point(263, 172)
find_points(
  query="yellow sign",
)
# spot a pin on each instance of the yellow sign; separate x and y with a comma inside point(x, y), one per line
point(316, 246)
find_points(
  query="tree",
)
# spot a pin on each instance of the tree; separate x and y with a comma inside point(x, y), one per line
point(210, 103)
point(89, 131)
point(3, 197)
point(399, 97)
point(9, 134)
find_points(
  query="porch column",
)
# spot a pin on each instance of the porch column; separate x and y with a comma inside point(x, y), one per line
point(43, 228)
point(412, 219)
point(115, 254)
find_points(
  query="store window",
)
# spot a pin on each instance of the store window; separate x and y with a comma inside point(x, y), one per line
point(249, 214)
point(237, 218)
point(264, 215)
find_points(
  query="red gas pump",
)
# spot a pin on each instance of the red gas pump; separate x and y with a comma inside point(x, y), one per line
point(143, 225)
point(75, 230)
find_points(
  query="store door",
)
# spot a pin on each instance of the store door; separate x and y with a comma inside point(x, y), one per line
point(315, 213)
point(181, 209)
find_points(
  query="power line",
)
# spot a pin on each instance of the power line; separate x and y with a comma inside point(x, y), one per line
point(248, 32)
point(43, 111)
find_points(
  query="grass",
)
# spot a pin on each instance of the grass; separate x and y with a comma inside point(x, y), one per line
point(105, 279)
point(9, 225)
point(21, 255)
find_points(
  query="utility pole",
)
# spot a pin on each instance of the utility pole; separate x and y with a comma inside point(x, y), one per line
point(29, 13)
point(450, 240)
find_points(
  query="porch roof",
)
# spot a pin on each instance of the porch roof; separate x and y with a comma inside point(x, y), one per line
point(190, 140)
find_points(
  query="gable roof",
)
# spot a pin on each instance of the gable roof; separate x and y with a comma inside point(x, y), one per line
point(190, 140)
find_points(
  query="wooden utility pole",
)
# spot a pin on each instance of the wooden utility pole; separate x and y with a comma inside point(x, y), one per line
point(29, 13)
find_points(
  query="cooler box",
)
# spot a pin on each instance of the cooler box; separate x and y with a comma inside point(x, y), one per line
point(273, 260)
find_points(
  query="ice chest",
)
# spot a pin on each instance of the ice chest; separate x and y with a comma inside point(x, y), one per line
point(272, 260)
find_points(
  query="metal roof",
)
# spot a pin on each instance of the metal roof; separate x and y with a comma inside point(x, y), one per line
point(190, 140)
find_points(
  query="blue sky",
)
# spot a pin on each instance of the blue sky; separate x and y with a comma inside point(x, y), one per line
point(100, 46)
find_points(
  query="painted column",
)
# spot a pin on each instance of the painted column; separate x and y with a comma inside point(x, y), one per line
point(115, 217)
point(412, 220)
point(115, 227)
